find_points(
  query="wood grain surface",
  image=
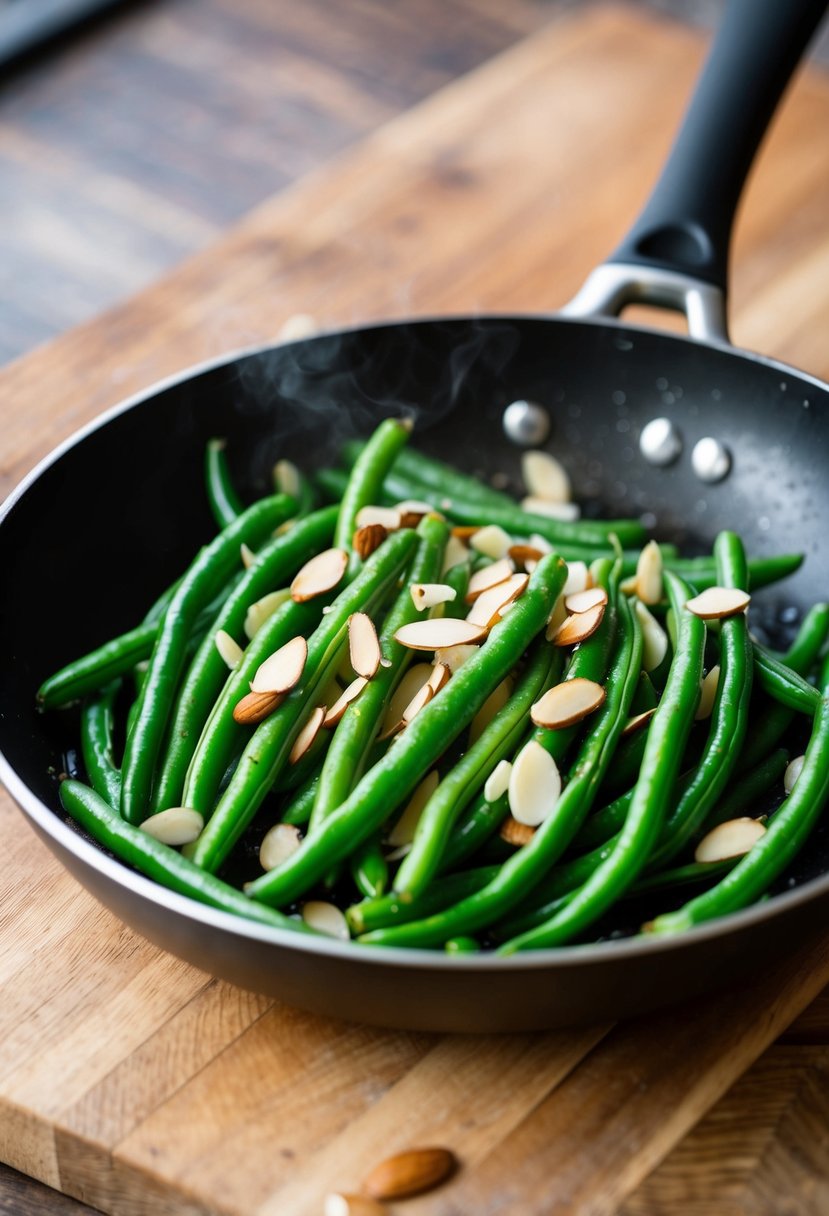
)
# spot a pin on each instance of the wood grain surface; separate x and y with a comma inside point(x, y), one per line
point(135, 1083)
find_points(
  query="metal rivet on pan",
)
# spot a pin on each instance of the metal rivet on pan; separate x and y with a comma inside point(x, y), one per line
point(526, 423)
point(710, 460)
point(660, 442)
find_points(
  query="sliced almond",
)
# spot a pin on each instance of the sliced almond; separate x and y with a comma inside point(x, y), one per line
point(325, 918)
point(489, 576)
point(255, 707)
point(578, 579)
point(437, 633)
point(579, 626)
point(287, 478)
point(412, 510)
point(733, 838)
point(515, 833)
point(247, 555)
point(319, 575)
point(583, 601)
point(419, 701)
point(566, 511)
point(429, 595)
point(410, 1173)
point(556, 618)
point(490, 709)
point(439, 677)
point(487, 608)
point(278, 844)
point(492, 541)
point(282, 670)
point(654, 638)
point(793, 770)
point(308, 734)
point(649, 574)
point(343, 701)
point(389, 517)
point(534, 785)
point(717, 603)
point(463, 532)
point(454, 553)
point(363, 645)
point(454, 657)
point(497, 783)
point(707, 694)
point(176, 826)
point(545, 477)
point(263, 609)
point(541, 543)
point(368, 538)
point(403, 831)
point(636, 723)
point(229, 649)
point(567, 703)
point(411, 682)
point(338, 1203)
point(628, 585)
point(521, 554)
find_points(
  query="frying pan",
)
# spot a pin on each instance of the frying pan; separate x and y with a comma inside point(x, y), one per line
point(596, 382)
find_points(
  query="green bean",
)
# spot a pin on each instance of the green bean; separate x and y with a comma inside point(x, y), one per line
point(668, 733)
point(474, 830)
point(385, 911)
point(418, 472)
point(276, 563)
point(468, 775)
point(369, 868)
point(783, 684)
point(788, 830)
point(160, 862)
point(529, 864)
point(462, 945)
point(702, 571)
point(159, 607)
point(331, 484)
point(298, 810)
point(395, 776)
point(206, 575)
point(365, 484)
point(749, 787)
point(98, 668)
point(97, 718)
point(267, 750)
point(587, 534)
point(224, 501)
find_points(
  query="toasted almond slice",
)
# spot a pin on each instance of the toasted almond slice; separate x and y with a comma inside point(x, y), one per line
point(247, 555)
point(412, 510)
point(368, 538)
point(628, 585)
point(654, 638)
point(491, 707)
point(708, 691)
point(553, 510)
point(455, 552)
point(437, 633)
point(636, 722)
point(229, 649)
point(492, 541)
point(497, 783)
point(579, 626)
point(263, 609)
point(463, 532)
point(429, 595)
point(488, 606)
point(578, 579)
point(343, 701)
point(287, 478)
point(419, 701)
point(567, 703)
point(545, 477)
point(556, 618)
point(319, 575)
point(454, 657)
point(534, 785)
point(255, 706)
point(719, 602)
point(176, 826)
point(540, 542)
point(515, 833)
point(489, 576)
point(308, 734)
point(278, 844)
point(793, 770)
point(363, 645)
point(389, 517)
point(403, 831)
point(282, 670)
point(439, 677)
point(521, 554)
point(338, 1203)
point(730, 839)
point(325, 918)
point(649, 574)
point(583, 601)
point(410, 1173)
point(411, 682)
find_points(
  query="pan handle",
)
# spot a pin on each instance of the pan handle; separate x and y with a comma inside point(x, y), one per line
point(676, 253)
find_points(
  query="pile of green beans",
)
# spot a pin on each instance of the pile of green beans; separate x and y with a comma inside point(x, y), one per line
point(612, 850)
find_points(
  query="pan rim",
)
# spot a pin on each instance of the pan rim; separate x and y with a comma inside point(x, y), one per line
point(420, 959)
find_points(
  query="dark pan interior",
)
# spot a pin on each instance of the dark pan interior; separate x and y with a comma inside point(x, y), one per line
point(103, 529)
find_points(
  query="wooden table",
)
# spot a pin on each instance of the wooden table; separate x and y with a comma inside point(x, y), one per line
point(132, 1081)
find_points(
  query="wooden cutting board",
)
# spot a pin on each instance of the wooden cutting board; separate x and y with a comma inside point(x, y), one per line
point(136, 1083)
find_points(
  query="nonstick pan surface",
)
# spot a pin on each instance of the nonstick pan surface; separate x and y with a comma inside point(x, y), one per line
point(108, 520)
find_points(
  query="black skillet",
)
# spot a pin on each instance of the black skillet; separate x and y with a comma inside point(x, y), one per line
point(106, 521)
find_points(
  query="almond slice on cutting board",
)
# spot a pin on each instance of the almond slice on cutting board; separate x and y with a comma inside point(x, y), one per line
point(363, 645)
point(282, 670)
point(567, 703)
point(322, 573)
point(438, 633)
